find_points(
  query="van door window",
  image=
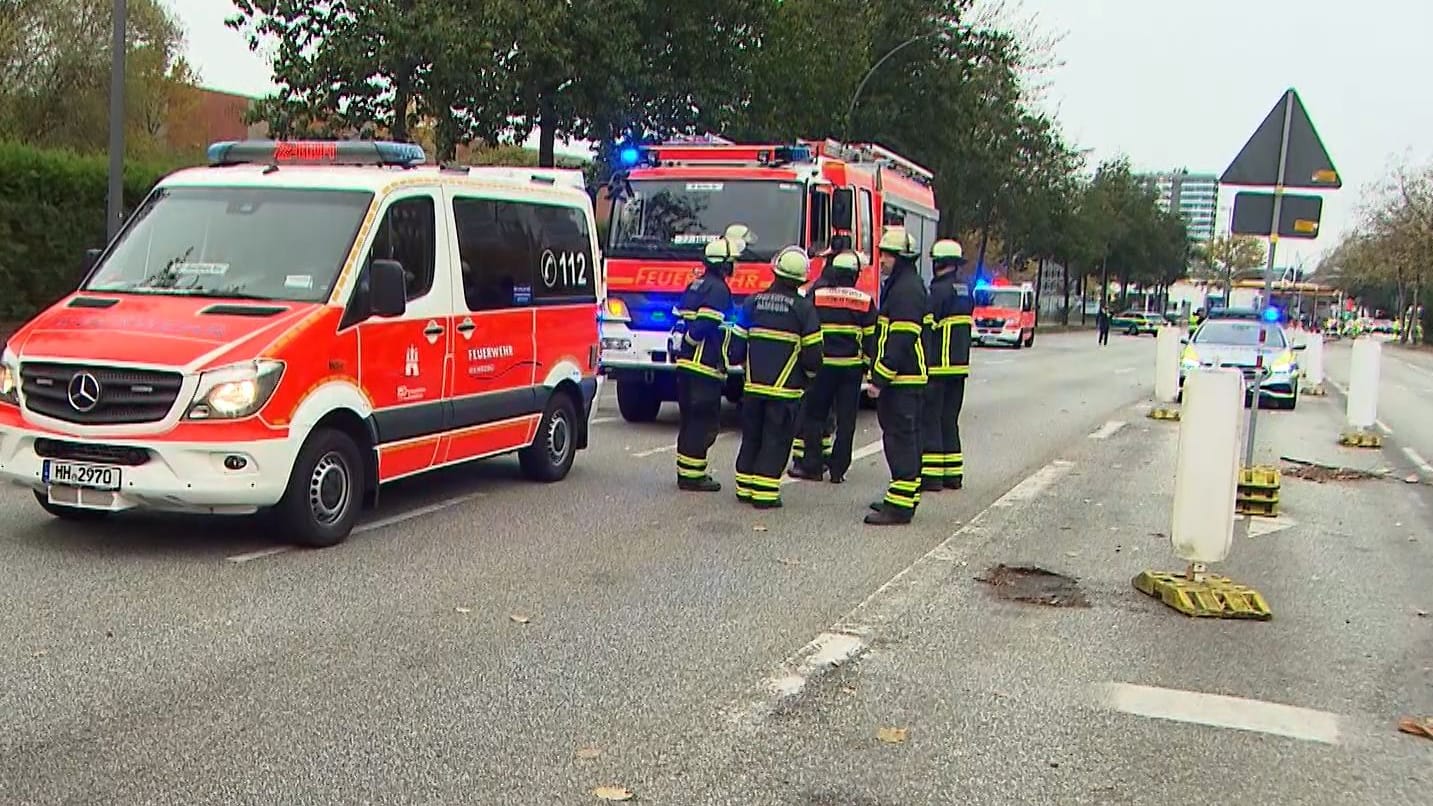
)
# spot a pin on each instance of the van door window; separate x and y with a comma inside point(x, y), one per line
point(494, 246)
point(408, 234)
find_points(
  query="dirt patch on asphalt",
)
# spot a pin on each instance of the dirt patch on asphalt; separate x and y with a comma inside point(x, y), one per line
point(1034, 585)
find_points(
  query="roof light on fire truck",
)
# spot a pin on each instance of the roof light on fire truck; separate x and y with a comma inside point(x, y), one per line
point(236, 391)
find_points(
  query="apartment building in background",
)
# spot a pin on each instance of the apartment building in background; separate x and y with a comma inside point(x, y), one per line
point(1194, 196)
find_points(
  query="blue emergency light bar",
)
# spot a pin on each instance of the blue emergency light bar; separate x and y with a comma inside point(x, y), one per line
point(1271, 314)
point(316, 152)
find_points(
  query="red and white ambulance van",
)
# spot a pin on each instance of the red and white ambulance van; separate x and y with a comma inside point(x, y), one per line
point(1004, 314)
point(297, 323)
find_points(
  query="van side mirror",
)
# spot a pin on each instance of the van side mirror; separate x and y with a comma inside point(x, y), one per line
point(843, 209)
point(92, 256)
point(387, 288)
point(1301, 346)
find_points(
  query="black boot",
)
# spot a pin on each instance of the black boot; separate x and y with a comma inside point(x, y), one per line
point(889, 516)
point(767, 504)
point(797, 471)
point(877, 506)
point(954, 482)
point(702, 485)
point(931, 484)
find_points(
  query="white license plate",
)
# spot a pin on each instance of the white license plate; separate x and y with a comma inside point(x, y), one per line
point(69, 474)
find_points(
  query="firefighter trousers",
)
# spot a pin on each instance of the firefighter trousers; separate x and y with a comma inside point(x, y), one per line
point(768, 425)
point(699, 401)
point(941, 458)
point(898, 409)
point(836, 390)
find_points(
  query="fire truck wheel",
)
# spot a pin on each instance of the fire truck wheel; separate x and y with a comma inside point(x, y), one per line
point(638, 401)
point(550, 455)
point(325, 492)
point(1030, 341)
point(65, 513)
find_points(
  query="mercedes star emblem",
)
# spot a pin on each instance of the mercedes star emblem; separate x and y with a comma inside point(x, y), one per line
point(84, 392)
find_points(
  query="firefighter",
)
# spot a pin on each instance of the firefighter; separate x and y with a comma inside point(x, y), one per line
point(898, 373)
point(848, 332)
point(948, 349)
point(740, 236)
point(840, 242)
point(778, 339)
point(701, 365)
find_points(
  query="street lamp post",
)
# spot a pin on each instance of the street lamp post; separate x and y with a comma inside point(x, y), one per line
point(115, 204)
point(856, 96)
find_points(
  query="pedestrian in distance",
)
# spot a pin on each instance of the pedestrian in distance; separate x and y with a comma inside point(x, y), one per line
point(777, 338)
point(948, 350)
point(848, 332)
point(1102, 324)
point(898, 374)
point(701, 338)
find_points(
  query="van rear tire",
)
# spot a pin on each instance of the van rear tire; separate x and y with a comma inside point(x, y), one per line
point(549, 458)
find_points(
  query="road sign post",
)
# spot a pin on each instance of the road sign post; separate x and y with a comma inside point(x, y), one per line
point(1284, 152)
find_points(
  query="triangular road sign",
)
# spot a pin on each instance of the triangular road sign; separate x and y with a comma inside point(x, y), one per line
point(1308, 164)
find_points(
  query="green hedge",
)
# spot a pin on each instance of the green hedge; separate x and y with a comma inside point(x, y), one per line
point(52, 208)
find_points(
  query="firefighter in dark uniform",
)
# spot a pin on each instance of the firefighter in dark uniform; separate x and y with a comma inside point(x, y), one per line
point(701, 365)
point(948, 350)
point(898, 373)
point(848, 332)
point(778, 339)
point(840, 242)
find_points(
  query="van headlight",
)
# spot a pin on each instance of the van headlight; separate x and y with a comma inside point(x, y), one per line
point(1283, 364)
point(237, 391)
point(9, 377)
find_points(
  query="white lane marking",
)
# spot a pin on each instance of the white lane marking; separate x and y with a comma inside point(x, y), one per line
point(670, 448)
point(601, 420)
point(1125, 370)
point(1418, 460)
point(1032, 487)
point(995, 363)
point(1220, 711)
point(261, 553)
point(1258, 527)
point(1383, 427)
point(856, 456)
point(1108, 430)
point(1343, 390)
point(381, 523)
point(850, 636)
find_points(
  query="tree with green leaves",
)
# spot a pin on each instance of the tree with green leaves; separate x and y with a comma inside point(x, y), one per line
point(1220, 259)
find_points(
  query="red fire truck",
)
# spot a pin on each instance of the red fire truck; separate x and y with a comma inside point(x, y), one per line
point(1004, 314)
point(670, 200)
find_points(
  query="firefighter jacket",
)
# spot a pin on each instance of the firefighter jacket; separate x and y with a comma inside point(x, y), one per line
point(703, 328)
point(952, 313)
point(778, 338)
point(848, 323)
point(900, 337)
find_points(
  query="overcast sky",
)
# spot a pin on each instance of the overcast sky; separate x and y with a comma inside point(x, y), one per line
point(1169, 83)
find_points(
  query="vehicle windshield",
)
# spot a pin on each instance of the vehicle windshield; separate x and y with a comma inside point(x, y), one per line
point(1240, 334)
point(998, 298)
point(676, 219)
point(240, 243)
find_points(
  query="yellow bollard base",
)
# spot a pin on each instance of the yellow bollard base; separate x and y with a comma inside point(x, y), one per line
point(1359, 438)
point(1259, 508)
point(1164, 413)
point(1317, 390)
point(1214, 597)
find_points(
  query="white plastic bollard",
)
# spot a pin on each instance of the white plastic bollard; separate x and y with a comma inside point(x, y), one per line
point(1206, 475)
point(1167, 349)
point(1313, 360)
point(1363, 384)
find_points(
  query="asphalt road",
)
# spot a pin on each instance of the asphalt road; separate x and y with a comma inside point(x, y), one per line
point(479, 630)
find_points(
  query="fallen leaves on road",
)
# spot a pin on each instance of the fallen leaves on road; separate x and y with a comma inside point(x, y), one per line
point(520, 618)
point(612, 793)
point(463, 610)
point(1421, 613)
point(1413, 479)
point(892, 735)
point(787, 561)
point(1320, 473)
point(1417, 726)
point(758, 528)
point(588, 753)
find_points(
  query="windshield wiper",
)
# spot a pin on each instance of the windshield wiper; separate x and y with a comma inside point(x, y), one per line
point(182, 292)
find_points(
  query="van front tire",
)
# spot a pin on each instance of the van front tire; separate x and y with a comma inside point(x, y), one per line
point(325, 492)
point(549, 458)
